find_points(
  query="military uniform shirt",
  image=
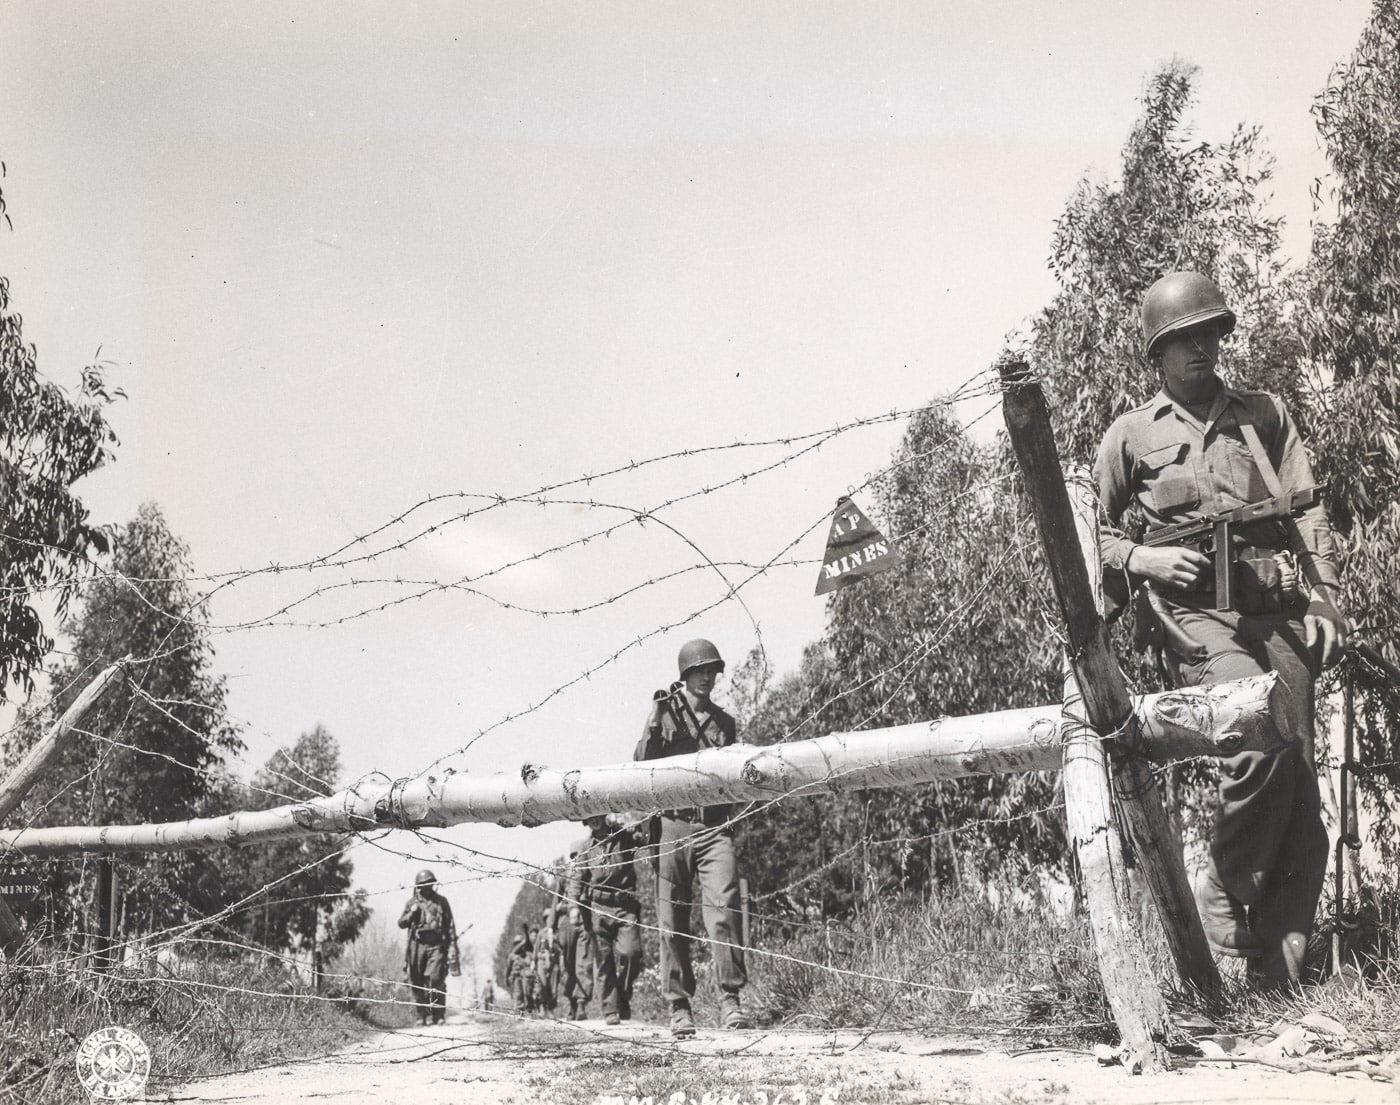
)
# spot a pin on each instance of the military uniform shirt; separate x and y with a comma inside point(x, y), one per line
point(1177, 468)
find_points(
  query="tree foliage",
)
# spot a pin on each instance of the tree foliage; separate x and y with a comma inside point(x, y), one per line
point(965, 625)
point(48, 441)
point(298, 891)
point(1180, 203)
point(1349, 319)
point(153, 746)
point(952, 631)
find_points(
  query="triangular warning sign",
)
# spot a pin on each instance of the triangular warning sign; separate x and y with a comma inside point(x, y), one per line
point(854, 548)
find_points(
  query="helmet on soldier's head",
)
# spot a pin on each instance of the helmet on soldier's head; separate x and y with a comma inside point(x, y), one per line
point(698, 653)
point(425, 878)
point(1181, 300)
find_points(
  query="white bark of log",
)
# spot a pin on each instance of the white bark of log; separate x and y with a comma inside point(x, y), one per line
point(1194, 722)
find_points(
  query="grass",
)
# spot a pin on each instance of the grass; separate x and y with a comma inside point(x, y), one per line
point(966, 966)
point(206, 1019)
point(949, 966)
point(946, 965)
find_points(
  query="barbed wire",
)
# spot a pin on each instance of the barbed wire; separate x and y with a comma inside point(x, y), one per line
point(874, 696)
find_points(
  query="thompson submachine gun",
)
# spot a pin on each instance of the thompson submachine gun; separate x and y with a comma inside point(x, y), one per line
point(1213, 534)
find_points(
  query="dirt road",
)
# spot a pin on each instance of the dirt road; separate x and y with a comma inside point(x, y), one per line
point(476, 1060)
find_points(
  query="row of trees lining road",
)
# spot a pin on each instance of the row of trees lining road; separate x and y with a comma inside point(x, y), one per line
point(963, 624)
point(156, 748)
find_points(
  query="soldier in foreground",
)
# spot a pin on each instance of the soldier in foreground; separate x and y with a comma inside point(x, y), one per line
point(606, 883)
point(1199, 448)
point(696, 841)
point(432, 948)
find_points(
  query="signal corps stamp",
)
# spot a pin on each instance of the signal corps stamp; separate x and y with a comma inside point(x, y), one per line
point(113, 1064)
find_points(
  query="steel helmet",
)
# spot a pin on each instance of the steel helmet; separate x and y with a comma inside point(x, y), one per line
point(696, 654)
point(425, 878)
point(1180, 300)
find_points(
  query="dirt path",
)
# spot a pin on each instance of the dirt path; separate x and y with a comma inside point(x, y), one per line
point(476, 1060)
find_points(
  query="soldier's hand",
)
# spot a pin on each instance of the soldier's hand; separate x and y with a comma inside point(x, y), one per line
point(1169, 564)
point(1325, 638)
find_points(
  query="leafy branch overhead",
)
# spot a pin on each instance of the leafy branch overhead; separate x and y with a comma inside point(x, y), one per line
point(48, 441)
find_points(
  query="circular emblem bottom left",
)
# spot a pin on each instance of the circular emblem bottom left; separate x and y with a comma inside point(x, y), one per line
point(113, 1064)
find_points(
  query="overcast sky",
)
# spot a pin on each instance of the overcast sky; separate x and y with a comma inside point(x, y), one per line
point(344, 258)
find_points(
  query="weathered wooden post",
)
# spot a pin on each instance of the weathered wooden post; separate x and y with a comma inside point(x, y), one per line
point(11, 936)
point(1105, 695)
point(14, 786)
point(1138, 1008)
point(104, 939)
point(1155, 841)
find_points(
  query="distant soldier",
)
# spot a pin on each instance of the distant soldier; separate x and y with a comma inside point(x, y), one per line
point(517, 969)
point(432, 948)
point(532, 980)
point(575, 934)
point(696, 841)
point(488, 995)
point(608, 885)
point(546, 964)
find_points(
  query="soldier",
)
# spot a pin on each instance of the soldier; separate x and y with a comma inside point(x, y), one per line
point(517, 969)
point(575, 934)
point(546, 965)
point(532, 979)
point(1200, 447)
point(432, 948)
point(608, 884)
point(696, 840)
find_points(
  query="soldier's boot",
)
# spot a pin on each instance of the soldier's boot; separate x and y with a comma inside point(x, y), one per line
point(573, 1009)
point(1224, 918)
point(731, 1014)
point(682, 1023)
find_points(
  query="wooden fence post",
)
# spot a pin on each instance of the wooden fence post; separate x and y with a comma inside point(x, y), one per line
point(1138, 1008)
point(1100, 680)
point(1156, 843)
point(104, 940)
point(11, 936)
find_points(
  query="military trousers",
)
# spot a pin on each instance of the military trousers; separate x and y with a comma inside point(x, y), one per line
point(547, 987)
point(576, 946)
point(687, 851)
point(1270, 845)
point(427, 979)
point(619, 947)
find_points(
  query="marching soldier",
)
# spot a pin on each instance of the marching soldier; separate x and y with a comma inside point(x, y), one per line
point(1197, 448)
point(432, 948)
point(517, 969)
point(575, 935)
point(608, 885)
point(696, 841)
point(546, 964)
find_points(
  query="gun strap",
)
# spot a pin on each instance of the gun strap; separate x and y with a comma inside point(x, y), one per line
point(1261, 459)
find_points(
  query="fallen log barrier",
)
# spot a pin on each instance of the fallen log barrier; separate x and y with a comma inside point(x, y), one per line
point(1190, 722)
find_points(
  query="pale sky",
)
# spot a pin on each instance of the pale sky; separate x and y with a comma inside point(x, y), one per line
point(346, 257)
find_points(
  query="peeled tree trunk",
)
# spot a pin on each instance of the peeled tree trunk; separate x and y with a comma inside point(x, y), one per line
point(1198, 721)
